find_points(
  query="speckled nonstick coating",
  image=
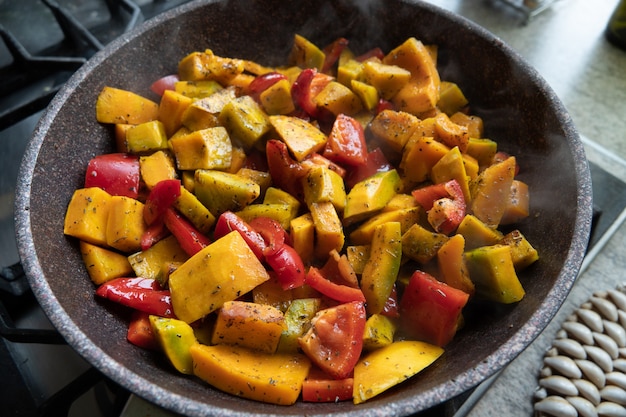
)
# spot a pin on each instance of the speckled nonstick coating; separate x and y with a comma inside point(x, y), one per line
point(520, 111)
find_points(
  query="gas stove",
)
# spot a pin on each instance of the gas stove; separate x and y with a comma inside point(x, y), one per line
point(39, 374)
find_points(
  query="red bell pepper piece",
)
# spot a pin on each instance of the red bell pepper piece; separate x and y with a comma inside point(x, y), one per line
point(115, 173)
point(262, 83)
point(384, 105)
point(272, 232)
point(338, 292)
point(304, 89)
point(229, 221)
point(320, 387)
point(333, 52)
point(372, 53)
point(286, 172)
point(430, 310)
point(153, 233)
point(346, 142)
point(191, 240)
point(164, 83)
point(141, 294)
point(140, 331)
point(335, 340)
point(162, 196)
point(376, 162)
point(287, 264)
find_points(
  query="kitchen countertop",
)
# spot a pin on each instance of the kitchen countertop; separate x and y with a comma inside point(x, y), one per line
point(566, 44)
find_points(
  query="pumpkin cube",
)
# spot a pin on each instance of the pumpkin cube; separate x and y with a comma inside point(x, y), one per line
point(222, 271)
point(125, 224)
point(301, 137)
point(321, 185)
point(245, 120)
point(103, 264)
point(203, 149)
point(171, 110)
point(302, 231)
point(338, 99)
point(328, 230)
point(222, 191)
point(277, 98)
point(251, 325)
point(157, 167)
point(387, 79)
point(189, 206)
point(149, 263)
point(197, 89)
point(87, 215)
point(146, 137)
point(115, 105)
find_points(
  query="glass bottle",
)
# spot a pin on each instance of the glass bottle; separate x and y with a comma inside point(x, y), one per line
point(616, 28)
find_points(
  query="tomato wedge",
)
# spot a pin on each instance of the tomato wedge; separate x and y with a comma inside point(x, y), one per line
point(335, 340)
point(346, 142)
point(430, 310)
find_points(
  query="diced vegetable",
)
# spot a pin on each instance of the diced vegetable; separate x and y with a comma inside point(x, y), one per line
point(221, 272)
point(319, 387)
point(115, 105)
point(430, 310)
point(141, 294)
point(335, 339)
point(492, 271)
point(175, 337)
point(103, 264)
point(87, 215)
point(251, 325)
point(272, 378)
point(116, 173)
point(388, 366)
point(381, 270)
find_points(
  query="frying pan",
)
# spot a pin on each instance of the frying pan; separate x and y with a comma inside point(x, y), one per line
point(520, 111)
